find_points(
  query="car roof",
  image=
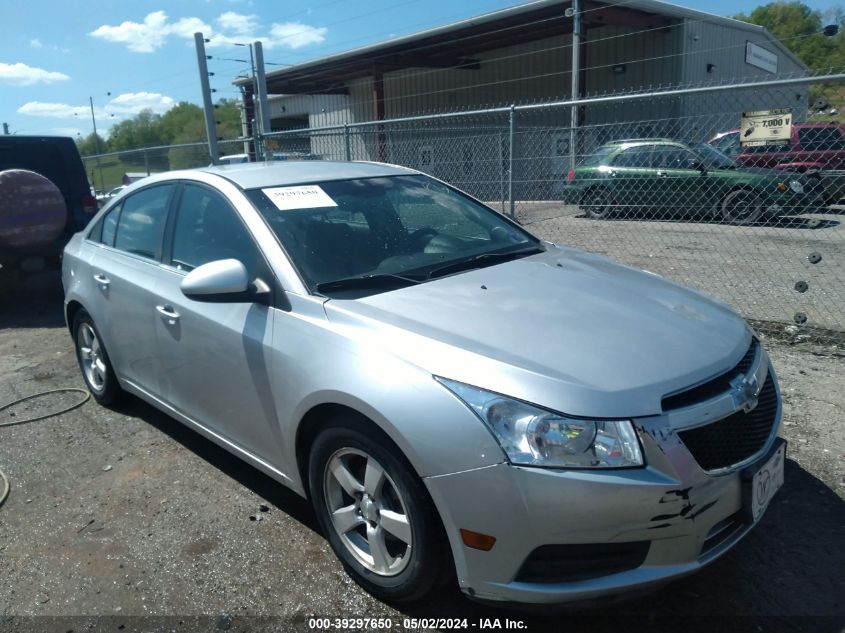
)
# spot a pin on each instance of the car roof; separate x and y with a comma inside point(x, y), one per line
point(275, 174)
point(634, 142)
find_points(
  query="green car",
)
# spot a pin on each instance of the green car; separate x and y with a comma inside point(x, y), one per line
point(680, 180)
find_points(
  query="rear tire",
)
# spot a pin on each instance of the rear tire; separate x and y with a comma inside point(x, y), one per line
point(596, 204)
point(376, 513)
point(94, 360)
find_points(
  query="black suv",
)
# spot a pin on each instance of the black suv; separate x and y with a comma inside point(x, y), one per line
point(57, 159)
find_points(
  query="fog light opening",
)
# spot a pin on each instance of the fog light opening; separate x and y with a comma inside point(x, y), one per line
point(477, 540)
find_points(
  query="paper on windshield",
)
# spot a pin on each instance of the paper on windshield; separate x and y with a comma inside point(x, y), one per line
point(299, 197)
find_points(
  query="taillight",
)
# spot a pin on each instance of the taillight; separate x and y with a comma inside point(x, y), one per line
point(89, 204)
point(571, 175)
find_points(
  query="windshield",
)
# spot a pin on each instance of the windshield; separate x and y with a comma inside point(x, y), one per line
point(399, 226)
point(712, 157)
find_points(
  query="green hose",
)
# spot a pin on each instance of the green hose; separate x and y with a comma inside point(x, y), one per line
point(4, 491)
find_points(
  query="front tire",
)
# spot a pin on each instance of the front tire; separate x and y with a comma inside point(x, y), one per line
point(94, 360)
point(375, 513)
point(741, 207)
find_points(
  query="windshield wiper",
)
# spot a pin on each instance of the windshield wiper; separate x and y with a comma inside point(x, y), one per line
point(365, 282)
point(477, 261)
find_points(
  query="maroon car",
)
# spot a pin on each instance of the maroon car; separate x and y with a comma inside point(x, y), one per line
point(814, 148)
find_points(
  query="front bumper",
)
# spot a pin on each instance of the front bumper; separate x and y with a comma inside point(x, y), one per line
point(685, 517)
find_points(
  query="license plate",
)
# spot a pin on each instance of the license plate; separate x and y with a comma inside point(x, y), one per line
point(764, 483)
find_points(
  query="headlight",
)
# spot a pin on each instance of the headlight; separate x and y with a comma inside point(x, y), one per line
point(796, 186)
point(533, 437)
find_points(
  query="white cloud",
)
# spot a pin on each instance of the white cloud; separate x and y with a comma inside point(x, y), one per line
point(53, 110)
point(22, 75)
point(186, 27)
point(122, 105)
point(238, 23)
point(141, 37)
point(295, 35)
point(154, 31)
point(36, 43)
point(134, 102)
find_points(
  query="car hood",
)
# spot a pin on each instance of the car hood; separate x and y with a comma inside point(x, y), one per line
point(564, 329)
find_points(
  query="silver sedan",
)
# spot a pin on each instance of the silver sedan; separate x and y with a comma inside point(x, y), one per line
point(458, 398)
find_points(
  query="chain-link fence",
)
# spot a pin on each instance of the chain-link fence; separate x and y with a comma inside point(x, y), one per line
point(679, 182)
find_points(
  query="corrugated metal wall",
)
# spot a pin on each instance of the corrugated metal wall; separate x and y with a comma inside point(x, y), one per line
point(723, 47)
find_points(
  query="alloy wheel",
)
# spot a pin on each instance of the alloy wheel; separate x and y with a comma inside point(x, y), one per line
point(367, 512)
point(91, 357)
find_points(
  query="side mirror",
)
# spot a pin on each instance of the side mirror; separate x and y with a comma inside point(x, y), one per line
point(697, 164)
point(221, 280)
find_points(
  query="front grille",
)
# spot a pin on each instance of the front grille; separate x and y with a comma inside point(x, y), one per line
point(737, 437)
point(714, 387)
point(569, 563)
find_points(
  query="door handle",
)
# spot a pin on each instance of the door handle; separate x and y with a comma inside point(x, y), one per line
point(102, 279)
point(661, 173)
point(168, 312)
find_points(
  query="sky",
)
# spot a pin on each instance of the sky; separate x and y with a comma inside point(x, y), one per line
point(129, 55)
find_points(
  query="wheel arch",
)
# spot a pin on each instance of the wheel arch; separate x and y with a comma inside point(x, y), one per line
point(316, 419)
point(326, 415)
point(71, 310)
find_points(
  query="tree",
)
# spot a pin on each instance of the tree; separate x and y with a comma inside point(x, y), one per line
point(91, 144)
point(184, 121)
point(799, 28)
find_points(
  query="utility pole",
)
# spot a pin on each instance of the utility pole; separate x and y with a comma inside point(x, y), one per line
point(207, 105)
point(97, 144)
point(575, 11)
point(263, 108)
point(253, 122)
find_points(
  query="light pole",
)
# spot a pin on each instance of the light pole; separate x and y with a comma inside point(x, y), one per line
point(96, 141)
point(97, 144)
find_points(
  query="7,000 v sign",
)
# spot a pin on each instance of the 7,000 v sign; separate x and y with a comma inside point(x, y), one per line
point(766, 127)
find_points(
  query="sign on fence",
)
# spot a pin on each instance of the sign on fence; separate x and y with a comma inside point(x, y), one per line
point(766, 127)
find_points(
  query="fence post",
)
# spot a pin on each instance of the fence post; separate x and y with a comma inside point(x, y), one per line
point(346, 141)
point(511, 123)
point(147, 162)
point(501, 147)
point(576, 90)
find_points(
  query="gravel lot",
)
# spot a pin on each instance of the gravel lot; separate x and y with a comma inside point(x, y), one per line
point(116, 514)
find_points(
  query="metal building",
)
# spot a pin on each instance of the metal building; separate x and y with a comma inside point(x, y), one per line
point(523, 54)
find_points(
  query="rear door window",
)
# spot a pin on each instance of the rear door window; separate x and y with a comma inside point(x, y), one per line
point(140, 226)
point(638, 156)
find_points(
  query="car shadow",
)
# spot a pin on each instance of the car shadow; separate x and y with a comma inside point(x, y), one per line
point(785, 575)
point(34, 301)
point(248, 476)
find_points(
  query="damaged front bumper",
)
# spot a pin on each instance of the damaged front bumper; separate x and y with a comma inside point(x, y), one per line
point(573, 535)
